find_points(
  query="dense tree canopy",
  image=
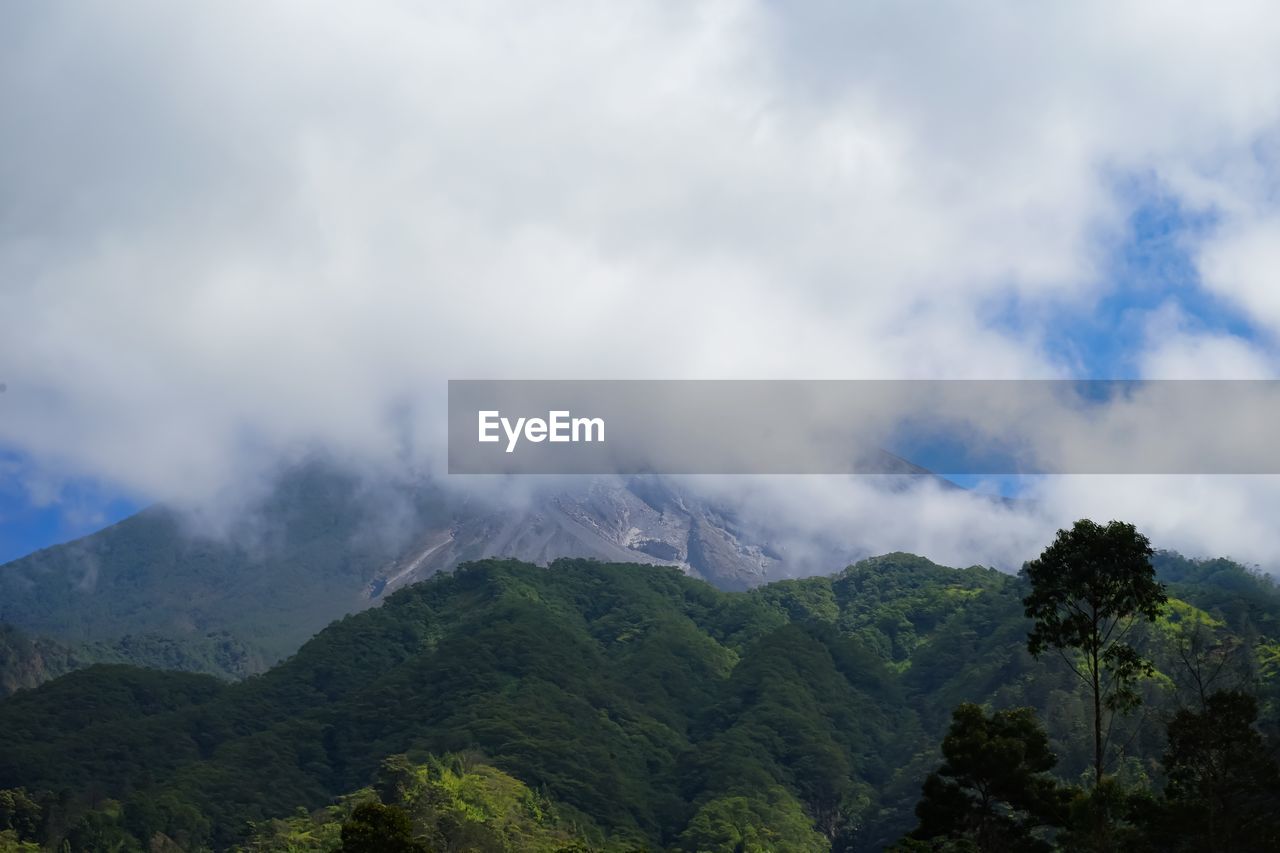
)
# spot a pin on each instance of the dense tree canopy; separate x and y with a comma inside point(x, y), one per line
point(994, 787)
point(1223, 780)
point(612, 707)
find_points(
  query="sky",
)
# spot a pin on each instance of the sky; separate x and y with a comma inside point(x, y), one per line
point(234, 233)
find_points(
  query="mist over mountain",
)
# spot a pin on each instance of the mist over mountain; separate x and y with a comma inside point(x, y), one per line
point(251, 252)
point(323, 544)
point(642, 664)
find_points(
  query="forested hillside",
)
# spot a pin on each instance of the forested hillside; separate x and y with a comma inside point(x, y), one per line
point(27, 661)
point(631, 706)
point(304, 556)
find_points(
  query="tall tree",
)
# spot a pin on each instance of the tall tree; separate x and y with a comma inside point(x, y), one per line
point(1088, 590)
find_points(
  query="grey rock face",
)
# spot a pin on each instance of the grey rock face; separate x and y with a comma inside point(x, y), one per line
point(637, 520)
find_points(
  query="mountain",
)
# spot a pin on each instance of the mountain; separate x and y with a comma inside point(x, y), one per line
point(27, 661)
point(30, 661)
point(649, 709)
point(324, 543)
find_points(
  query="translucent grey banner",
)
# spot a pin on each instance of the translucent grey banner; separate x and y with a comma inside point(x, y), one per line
point(971, 427)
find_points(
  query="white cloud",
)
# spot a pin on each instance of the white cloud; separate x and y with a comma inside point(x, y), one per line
point(1216, 515)
point(1242, 264)
point(232, 231)
point(1176, 349)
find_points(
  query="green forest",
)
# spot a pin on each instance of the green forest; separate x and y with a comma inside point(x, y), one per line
point(1107, 698)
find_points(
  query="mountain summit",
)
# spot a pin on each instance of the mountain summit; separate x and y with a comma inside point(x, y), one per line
point(324, 544)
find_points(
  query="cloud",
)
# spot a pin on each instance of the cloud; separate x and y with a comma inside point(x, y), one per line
point(1177, 349)
point(1216, 515)
point(1242, 264)
point(237, 233)
point(809, 518)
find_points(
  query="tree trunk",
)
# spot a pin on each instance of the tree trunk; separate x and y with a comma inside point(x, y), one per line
point(1100, 842)
point(1097, 722)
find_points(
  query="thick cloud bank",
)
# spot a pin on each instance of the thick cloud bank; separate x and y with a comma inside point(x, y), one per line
point(236, 232)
